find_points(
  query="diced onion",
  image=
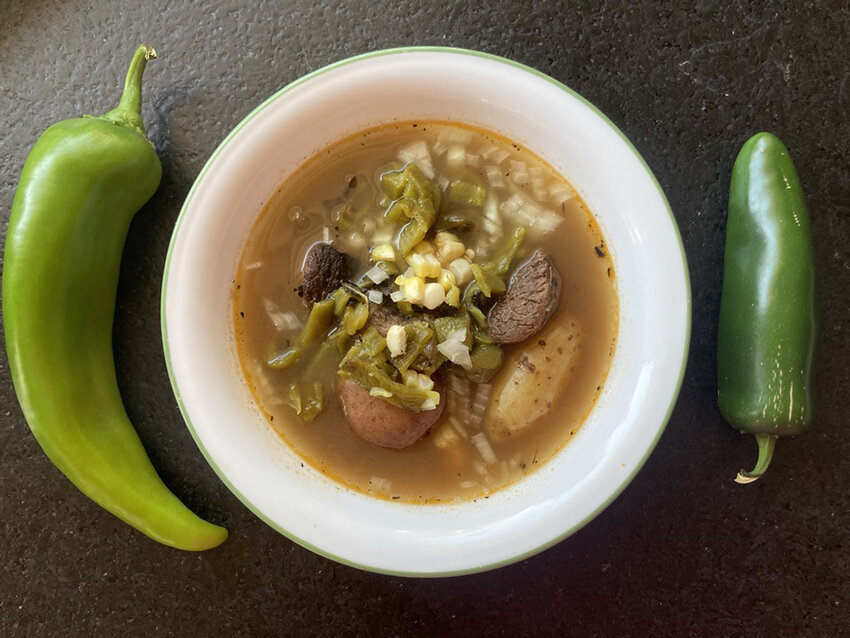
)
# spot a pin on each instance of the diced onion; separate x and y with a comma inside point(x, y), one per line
point(380, 483)
point(561, 193)
point(489, 152)
point(458, 335)
point(495, 177)
point(375, 296)
point(484, 448)
point(518, 171)
point(456, 156)
point(280, 319)
point(479, 403)
point(397, 295)
point(377, 274)
point(417, 153)
point(500, 156)
point(457, 135)
point(456, 351)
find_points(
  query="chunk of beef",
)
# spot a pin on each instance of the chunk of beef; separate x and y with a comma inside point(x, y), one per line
point(324, 270)
point(530, 300)
point(383, 318)
point(381, 423)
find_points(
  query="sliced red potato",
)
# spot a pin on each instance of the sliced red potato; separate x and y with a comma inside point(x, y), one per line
point(385, 424)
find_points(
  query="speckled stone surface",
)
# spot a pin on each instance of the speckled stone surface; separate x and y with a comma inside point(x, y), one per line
point(682, 552)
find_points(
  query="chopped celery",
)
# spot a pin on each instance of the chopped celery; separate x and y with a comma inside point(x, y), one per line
point(481, 279)
point(429, 360)
point(453, 297)
point(340, 298)
point(306, 399)
point(284, 359)
point(392, 183)
point(414, 198)
point(372, 343)
point(318, 322)
point(488, 282)
point(486, 360)
point(466, 193)
point(317, 326)
point(444, 327)
point(476, 313)
point(481, 336)
point(327, 350)
point(501, 262)
point(354, 318)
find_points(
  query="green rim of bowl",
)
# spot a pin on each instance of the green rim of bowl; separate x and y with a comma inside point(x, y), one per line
point(479, 568)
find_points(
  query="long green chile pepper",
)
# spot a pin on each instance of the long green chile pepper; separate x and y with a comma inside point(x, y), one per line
point(767, 331)
point(81, 184)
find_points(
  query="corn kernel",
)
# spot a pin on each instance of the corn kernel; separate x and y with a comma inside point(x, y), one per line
point(462, 271)
point(434, 296)
point(470, 254)
point(442, 237)
point(446, 279)
point(396, 340)
point(414, 290)
point(383, 252)
point(449, 249)
point(424, 247)
point(433, 266)
point(453, 297)
point(418, 264)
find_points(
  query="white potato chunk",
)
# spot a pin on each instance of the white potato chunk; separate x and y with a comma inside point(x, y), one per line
point(533, 377)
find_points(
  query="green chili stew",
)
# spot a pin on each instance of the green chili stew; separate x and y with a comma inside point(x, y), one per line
point(766, 338)
point(82, 183)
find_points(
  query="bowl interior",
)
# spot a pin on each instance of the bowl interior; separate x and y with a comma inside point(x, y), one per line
point(534, 111)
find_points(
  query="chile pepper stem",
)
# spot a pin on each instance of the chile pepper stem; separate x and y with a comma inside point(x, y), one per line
point(129, 110)
point(766, 443)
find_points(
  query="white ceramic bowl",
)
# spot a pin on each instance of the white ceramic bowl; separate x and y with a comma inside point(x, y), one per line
point(538, 113)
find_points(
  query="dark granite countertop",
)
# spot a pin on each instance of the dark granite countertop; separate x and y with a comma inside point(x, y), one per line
point(683, 551)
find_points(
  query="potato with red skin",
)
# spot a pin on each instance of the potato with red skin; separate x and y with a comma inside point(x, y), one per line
point(382, 423)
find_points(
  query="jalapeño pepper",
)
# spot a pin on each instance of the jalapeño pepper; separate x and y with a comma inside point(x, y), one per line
point(766, 336)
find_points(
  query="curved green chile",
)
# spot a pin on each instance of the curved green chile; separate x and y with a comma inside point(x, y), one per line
point(82, 183)
point(766, 337)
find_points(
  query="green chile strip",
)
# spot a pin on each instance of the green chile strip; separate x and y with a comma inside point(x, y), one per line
point(82, 183)
point(766, 337)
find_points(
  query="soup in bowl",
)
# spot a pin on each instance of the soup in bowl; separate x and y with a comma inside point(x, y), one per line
point(426, 311)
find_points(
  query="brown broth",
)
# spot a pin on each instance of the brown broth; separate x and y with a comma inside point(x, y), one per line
point(301, 213)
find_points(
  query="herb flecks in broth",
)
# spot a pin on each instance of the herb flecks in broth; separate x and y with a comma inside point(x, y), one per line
point(459, 246)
